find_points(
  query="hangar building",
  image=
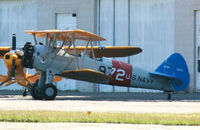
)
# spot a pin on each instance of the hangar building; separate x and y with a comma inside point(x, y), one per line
point(159, 27)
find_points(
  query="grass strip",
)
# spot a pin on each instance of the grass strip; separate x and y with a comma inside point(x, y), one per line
point(97, 117)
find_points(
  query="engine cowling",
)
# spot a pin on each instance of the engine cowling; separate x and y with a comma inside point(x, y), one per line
point(27, 59)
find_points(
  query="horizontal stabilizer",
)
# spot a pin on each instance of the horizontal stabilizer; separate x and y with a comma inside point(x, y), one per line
point(175, 69)
point(166, 76)
point(86, 75)
point(163, 75)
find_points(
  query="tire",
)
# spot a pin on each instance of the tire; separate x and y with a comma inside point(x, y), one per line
point(49, 92)
point(36, 92)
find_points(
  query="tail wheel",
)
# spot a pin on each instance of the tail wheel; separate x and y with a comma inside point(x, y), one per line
point(36, 92)
point(169, 96)
point(49, 92)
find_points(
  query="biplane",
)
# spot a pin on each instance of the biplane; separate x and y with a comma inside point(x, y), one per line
point(16, 73)
point(61, 55)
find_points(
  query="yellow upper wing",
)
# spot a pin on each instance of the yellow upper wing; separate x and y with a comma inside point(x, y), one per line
point(66, 35)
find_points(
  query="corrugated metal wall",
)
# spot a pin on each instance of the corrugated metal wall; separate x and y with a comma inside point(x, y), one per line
point(148, 24)
point(15, 17)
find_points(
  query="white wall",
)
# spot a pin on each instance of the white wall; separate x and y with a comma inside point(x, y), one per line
point(15, 17)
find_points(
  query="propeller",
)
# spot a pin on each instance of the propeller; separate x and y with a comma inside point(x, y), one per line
point(14, 42)
point(13, 61)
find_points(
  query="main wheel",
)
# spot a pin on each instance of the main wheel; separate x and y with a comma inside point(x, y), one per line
point(36, 92)
point(49, 92)
point(25, 92)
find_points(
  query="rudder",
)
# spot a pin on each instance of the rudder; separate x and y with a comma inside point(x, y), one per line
point(174, 68)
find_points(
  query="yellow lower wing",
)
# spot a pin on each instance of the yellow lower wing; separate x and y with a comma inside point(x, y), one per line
point(86, 75)
point(34, 78)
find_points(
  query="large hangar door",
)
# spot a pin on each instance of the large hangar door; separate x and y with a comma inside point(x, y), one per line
point(66, 21)
point(197, 51)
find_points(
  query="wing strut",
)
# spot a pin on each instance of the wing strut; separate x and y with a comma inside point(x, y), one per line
point(75, 51)
point(93, 55)
point(66, 51)
point(84, 52)
point(47, 43)
point(34, 38)
point(54, 42)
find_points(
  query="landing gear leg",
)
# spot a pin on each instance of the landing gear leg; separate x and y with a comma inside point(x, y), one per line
point(169, 95)
point(25, 92)
point(36, 90)
point(49, 91)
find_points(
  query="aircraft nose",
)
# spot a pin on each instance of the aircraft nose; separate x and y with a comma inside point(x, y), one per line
point(10, 56)
point(27, 59)
point(14, 57)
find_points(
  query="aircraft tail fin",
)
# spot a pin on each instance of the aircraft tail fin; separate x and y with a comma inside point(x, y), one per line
point(175, 69)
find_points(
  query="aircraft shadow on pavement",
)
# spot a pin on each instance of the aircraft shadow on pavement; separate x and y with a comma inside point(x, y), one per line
point(126, 96)
point(118, 96)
